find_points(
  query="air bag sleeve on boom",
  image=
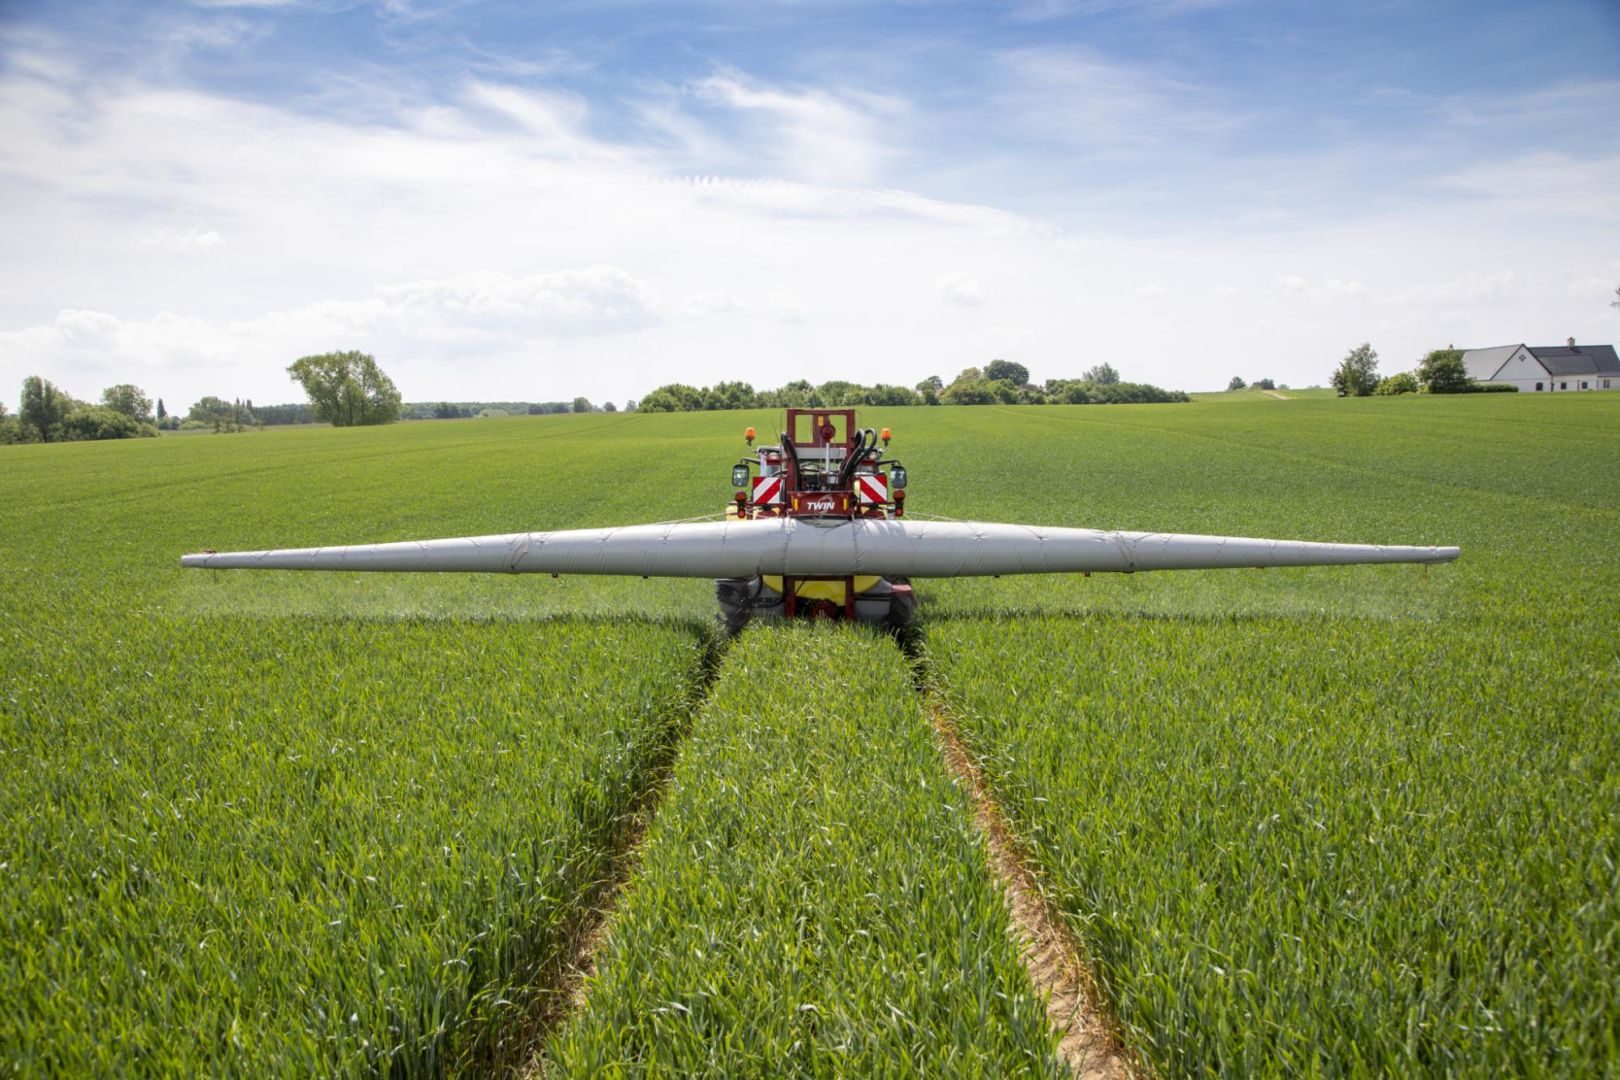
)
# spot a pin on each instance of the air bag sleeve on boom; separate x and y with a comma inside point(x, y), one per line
point(811, 547)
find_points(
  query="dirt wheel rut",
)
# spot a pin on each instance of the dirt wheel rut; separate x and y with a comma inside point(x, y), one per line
point(1088, 1040)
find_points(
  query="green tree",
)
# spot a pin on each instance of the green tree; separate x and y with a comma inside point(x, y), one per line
point(1237, 383)
point(673, 397)
point(209, 409)
point(100, 422)
point(1402, 382)
point(730, 395)
point(129, 399)
point(43, 407)
point(971, 391)
point(1357, 373)
point(1069, 392)
point(1007, 371)
point(582, 404)
point(1102, 375)
point(1443, 372)
point(608, 406)
point(793, 395)
point(347, 389)
point(162, 413)
point(1005, 392)
point(839, 392)
point(884, 394)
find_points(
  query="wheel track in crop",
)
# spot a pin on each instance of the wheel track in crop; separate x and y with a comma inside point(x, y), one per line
point(565, 993)
point(1088, 1039)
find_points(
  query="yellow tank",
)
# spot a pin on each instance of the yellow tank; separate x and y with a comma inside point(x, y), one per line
point(824, 590)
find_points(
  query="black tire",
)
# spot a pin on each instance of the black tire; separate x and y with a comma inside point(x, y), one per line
point(902, 605)
point(736, 603)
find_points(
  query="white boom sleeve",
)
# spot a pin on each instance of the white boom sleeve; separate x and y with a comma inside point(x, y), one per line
point(810, 547)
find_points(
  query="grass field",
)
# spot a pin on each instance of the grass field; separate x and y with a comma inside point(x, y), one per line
point(814, 895)
point(272, 828)
point(1317, 820)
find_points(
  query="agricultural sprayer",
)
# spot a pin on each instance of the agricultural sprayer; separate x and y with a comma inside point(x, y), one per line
point(818, 527)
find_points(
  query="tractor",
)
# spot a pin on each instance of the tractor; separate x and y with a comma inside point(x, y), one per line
point(823, 470)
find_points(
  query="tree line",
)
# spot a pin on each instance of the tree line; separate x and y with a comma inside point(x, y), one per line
point(1442, 371)
point(344, 389)
point(461, 410)
point(1000, 382)
point(349, 389)
point(46, 413)
point(1238, 383)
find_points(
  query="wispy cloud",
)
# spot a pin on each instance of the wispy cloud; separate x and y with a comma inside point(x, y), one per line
point(1549, 183)
point(1106, 107)
point(1041, 10)
point(1569, 101)
point(811, 134)
point(556, 122)
point(960, 290)
point(247, 3)
point(193, 241)
point(1324, 289)
point(564, 215)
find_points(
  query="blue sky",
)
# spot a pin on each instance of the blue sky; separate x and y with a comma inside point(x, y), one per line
point(507, 200)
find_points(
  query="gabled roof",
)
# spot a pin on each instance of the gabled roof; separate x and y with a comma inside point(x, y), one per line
point(1577, 359)
point(1557, 360)
point(1484, 363)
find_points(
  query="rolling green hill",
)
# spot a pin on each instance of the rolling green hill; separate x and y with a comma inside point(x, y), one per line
point(1315, 820)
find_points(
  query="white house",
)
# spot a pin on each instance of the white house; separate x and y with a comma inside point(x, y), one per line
point(1534, 368)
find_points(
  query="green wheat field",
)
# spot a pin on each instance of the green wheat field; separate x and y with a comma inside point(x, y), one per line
point(1326, 821)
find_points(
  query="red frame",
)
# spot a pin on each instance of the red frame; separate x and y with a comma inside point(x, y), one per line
point(790, 598)
point(823, 428)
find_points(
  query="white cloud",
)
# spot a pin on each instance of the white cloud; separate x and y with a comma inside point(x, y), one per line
point(556, 121)
point(193, 241)
point(1573, 102)
point(815, 135)
point(427, 320)
point(1041, 10)
point(1592, 286)
point(1105, 107)
point(960, 290)
point(492, 245)
point(1330, 288)
point(1497, 287)
point(1547, 183)
point(598, 299)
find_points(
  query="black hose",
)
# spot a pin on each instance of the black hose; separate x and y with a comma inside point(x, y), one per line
point(793, 456)
point(865, 441)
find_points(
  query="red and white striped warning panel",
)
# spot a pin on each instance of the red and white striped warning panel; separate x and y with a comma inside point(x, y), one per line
point(767, 491)
point(872, 488)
